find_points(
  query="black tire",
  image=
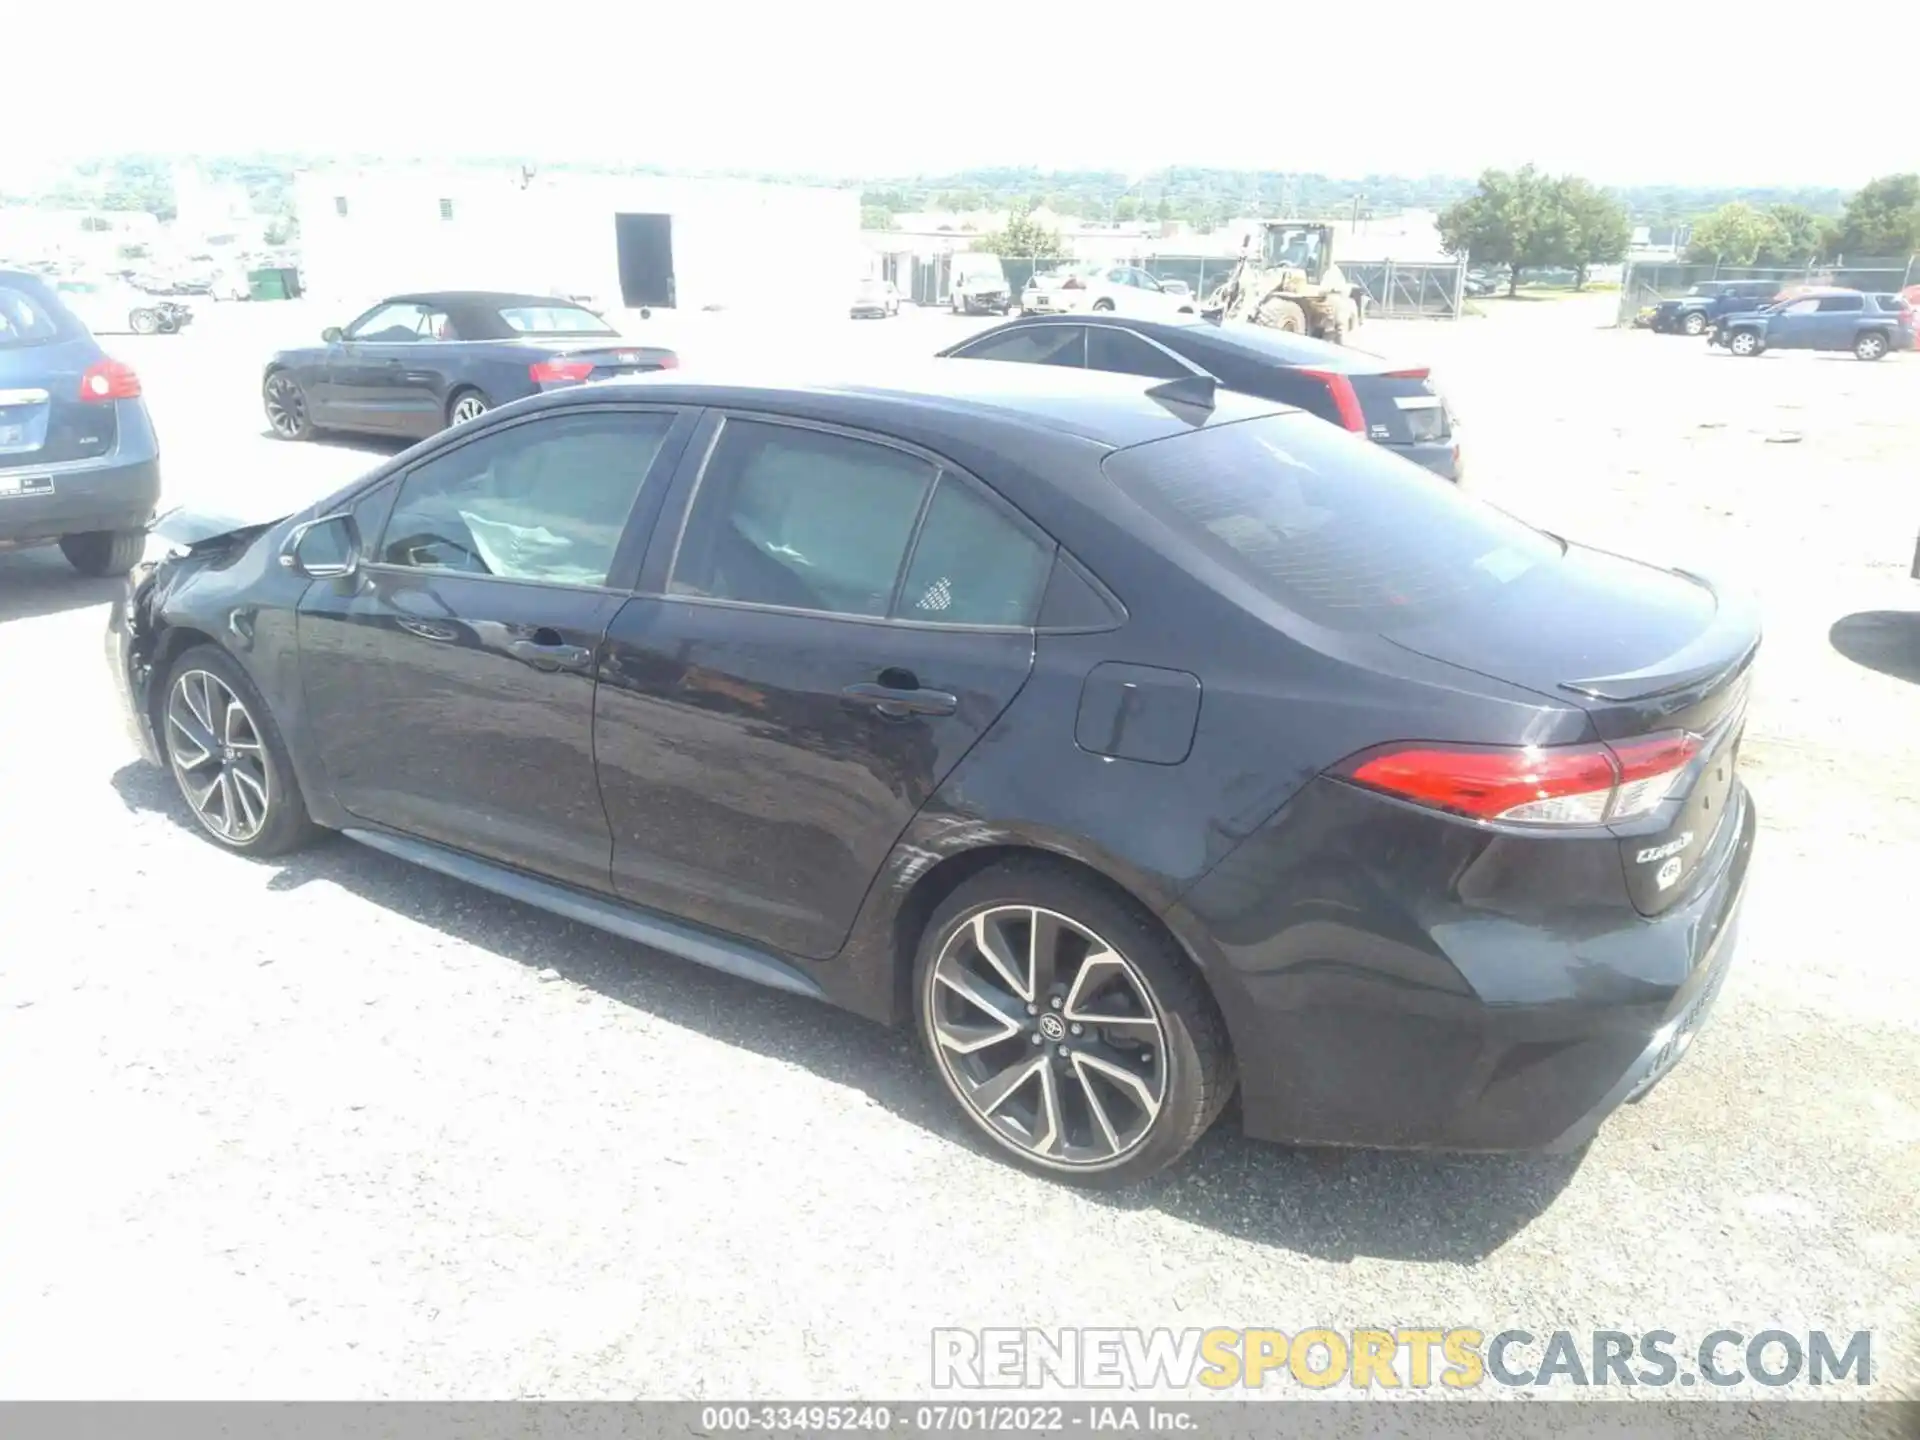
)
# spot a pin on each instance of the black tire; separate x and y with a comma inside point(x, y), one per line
point(103, 552)
point(1871, 345)
point(463, 399)
point(1746, 342)
point(288, 826)
point(1694, 322)
point(1199, 1061)
point(282, 392)
point(1103, 306)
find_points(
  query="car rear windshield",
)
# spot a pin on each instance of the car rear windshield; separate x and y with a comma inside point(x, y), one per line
point(26, 319)
point(1342, 533)
point(555, 320)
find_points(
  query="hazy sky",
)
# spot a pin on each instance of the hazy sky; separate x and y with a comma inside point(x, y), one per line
point(1621, 95)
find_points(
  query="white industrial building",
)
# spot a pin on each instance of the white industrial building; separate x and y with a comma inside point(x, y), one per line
point(623, 241)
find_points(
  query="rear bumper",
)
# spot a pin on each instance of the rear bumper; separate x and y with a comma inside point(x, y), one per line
point(1402, 981)
point(112, 494)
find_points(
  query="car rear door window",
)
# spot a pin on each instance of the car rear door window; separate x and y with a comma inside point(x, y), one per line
point(1835, 304)
point(1345, 536)
point(973, 562)
point(546, 500)
point(1032, 345)
point(800, 518)
point(1124, 353)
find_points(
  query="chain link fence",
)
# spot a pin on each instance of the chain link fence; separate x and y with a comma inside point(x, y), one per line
point(1646, 285)
point(1431, 290)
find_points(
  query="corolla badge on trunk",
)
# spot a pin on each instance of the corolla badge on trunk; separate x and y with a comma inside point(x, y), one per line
point(1661, 852)
point(1669, 872)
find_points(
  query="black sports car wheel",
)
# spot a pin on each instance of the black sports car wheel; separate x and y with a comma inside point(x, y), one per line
point(1068, 1026)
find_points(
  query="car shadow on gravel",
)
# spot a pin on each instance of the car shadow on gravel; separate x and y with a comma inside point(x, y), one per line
point(39, 582)
point(1326, 1204)
point(1883, 640)
point(385, 446)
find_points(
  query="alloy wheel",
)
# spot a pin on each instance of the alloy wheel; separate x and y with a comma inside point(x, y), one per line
point(1050, 1037)
point(218, 756)
point(468, 407)
point(286, 406)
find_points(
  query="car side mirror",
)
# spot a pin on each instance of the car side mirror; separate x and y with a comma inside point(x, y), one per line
point(331, 335)
point(323, 549)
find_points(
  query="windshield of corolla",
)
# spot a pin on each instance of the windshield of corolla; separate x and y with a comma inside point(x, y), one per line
point(555, 320)
point(1336, 531)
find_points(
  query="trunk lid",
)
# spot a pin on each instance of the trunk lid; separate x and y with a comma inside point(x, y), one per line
point(1402, 407)
point(1643, 651)
point(43, 420)
point(608, 356)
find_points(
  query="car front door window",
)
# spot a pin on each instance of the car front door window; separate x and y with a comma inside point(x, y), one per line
point(544, 501)
point(391, 324)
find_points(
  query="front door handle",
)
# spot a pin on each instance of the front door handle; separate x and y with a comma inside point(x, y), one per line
point(551, 657)
point(897, 704)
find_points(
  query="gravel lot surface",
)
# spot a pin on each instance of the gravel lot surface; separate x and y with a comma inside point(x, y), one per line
point(336, 1127)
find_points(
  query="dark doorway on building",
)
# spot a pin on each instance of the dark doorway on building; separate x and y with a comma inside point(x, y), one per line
point(645, 245)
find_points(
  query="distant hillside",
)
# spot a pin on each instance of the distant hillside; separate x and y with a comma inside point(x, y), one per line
point(1198, 195)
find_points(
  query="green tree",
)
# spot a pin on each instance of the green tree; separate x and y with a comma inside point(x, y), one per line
point(1513, 219)
point(1802, 235)
point(1735, 234)
point(1882, 219)
point(876, 217)
point(1125, 209)
point(1022, 238)
point(1591, 225)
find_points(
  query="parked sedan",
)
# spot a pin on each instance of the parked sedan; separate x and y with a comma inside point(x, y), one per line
point(875, 299)
point(891, 695)
point(1394, 406)
point(415, 364)
point(79, 464)
point(1102, 289)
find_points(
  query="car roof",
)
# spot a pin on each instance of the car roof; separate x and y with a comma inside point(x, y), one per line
point(478, 299)
point(1261, 343)
point(1110, 410)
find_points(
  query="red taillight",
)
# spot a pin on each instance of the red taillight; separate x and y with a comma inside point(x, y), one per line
point(669, 361)
point(1346, 400)
point(1419, 373)
point(109, 380)
point(549, 372)
point(1531, 785)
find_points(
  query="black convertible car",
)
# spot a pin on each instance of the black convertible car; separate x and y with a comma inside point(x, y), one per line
point(414, 364)
point(1140, 741)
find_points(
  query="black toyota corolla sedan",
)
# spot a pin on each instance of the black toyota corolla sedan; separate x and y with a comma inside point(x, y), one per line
point(415, 364)
point(1138, 742)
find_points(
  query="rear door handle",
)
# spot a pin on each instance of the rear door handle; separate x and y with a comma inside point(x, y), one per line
point(898, 704)
point(551, 657)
